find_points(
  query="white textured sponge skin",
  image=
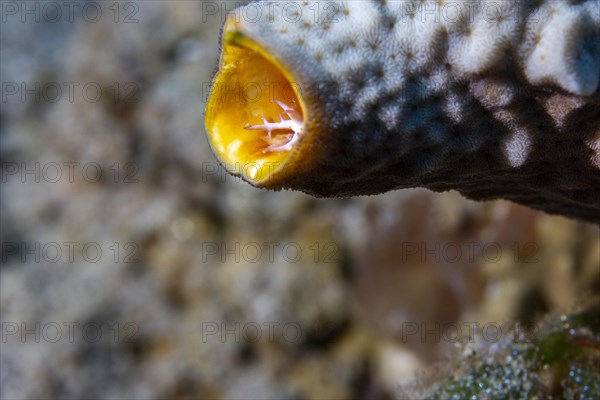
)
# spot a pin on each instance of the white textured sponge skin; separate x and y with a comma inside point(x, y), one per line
point(556, 40)
point(491, 98)
point(566, 52)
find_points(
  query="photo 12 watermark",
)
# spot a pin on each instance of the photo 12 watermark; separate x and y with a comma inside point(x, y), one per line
point(463, 332)
point(70, 252)
point(27, 12)
point(67, 332)
point(71, 91)
point(467, 252)
point(254, 91)
point(68, 172)
point(270, 252)
point(289, 12)
point(214, 172)
point(270, 331)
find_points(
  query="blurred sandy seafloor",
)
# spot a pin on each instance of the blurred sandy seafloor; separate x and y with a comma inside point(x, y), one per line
point(164, 278)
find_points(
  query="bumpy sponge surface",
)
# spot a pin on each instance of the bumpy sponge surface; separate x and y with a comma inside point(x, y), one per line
point(490, 98)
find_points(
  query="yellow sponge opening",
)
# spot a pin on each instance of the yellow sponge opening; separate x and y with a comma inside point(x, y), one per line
point(249, 91)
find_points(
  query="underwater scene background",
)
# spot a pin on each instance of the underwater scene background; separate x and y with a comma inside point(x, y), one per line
point(133, 266)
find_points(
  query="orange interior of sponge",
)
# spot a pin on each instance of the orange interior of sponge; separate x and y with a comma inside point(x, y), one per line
point(249, 86)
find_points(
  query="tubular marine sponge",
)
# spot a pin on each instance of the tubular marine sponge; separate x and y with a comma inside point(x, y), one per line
point(494, 99)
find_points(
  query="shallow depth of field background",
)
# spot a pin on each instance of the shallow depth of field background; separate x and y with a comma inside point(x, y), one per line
point(144, 271)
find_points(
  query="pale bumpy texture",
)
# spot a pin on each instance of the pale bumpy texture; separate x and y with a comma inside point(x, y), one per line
point(495, 99)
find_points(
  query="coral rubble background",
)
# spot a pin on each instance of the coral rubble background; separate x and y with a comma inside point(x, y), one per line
point(206, 287)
